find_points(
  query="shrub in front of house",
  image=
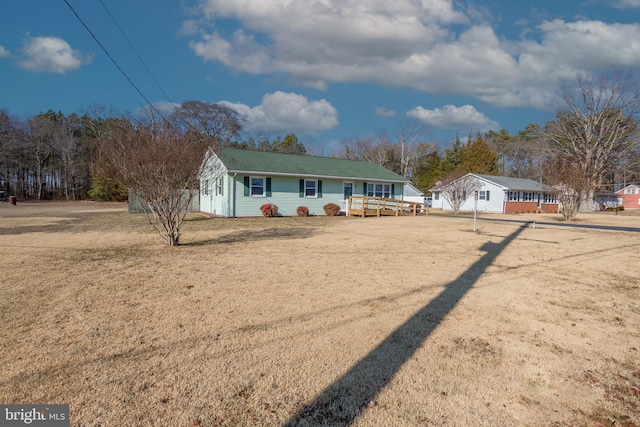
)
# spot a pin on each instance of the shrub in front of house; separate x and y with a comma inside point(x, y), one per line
point(269, 209)
point(302, 211)
point(331, 209)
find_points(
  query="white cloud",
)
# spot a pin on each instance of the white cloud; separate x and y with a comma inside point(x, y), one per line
point(626, 4)
point(384, 112)
point(451, 117)
point(4, 53)
point(287, 112)
point(428, 45)
point(50, 55)
point(163, 107)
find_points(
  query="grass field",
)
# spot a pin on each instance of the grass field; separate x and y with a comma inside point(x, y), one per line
point(410, 321)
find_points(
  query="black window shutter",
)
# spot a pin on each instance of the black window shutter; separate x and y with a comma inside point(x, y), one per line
point(319, 188)
point(393, 191)
point(302, 188)
point(364, 188)
point(487, 196)
point(268, 187)
point(246, 185)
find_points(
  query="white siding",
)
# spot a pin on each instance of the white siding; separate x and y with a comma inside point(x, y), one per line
point(495, 204)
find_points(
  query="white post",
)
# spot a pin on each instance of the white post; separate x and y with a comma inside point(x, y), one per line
point(475, 209)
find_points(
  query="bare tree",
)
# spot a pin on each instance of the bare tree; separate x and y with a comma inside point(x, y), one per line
point(160, 164)
point(217, 122)
point(457, 187)
point(408, 137)
point(596, 125)
point(39, 146)
point(10, 149)
point(67, 144)
point(570, 183)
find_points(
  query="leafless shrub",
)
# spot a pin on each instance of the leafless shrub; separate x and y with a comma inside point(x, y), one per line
point(457, 188)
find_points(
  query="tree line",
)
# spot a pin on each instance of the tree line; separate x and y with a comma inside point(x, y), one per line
point(592, 142)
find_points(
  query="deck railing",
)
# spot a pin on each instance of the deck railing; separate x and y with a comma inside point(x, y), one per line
point(382, 206)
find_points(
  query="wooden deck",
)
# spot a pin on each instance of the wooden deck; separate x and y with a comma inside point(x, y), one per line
point(380, 206)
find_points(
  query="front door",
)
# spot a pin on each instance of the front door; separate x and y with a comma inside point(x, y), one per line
point(347, 189)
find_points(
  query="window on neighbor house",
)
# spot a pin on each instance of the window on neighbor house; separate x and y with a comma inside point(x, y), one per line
point(629, 191)
point(257, 187)
point(205, 187)
point(528, 197)
point(436, 196)
point(484, 195)
point(378, 190)
point(310, 188)
point(549, 198)
point(219, 186)
point(514, 196)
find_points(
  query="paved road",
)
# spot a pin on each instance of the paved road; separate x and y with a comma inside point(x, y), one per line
point(567, 224)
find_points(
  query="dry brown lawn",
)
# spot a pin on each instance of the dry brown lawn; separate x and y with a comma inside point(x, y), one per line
point(410, 321)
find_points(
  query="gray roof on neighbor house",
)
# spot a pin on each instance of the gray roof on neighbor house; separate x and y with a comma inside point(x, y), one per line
point(264, 162)
point(511, 184)
point(519, 184)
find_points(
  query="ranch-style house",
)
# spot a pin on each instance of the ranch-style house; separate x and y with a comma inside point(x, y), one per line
point(500, 194)
point(236, 183)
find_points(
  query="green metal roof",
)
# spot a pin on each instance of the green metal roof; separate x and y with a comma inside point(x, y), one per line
point(263, 162)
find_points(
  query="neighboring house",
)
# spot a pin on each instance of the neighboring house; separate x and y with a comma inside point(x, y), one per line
point(235, 183)
point(412, 194)
point(629, 197)
point(500, 194)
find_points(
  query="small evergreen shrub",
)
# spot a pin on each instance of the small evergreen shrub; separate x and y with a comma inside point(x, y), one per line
point(302, 211)
point(269, 210)
point(331, 209)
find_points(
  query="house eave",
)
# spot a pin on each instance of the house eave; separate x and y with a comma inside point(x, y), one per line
point(302, 175)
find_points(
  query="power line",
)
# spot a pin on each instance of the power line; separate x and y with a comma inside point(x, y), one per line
point(115, 62)
point(135, 51)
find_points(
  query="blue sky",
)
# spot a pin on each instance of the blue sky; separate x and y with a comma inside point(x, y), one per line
point(327, 70)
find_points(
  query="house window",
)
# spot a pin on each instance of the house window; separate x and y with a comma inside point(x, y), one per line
point(484, 195)
point(205, 188)
point(378, 190)
point(219, 186)
point(513, 196)
point(550, 198)
point(257, 187)
point(528, 197)
point(436, 196)
point(629, 191)
point(310, 189)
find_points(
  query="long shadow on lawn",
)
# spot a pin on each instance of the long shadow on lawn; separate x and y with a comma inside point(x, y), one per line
point(344, 400)
point(258, 235)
